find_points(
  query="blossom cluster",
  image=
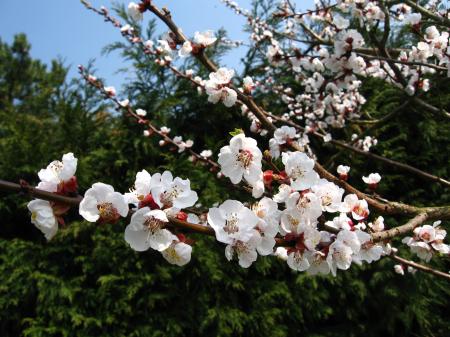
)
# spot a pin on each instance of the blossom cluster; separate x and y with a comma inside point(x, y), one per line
point(154, 199)
point(294, 214)
point(58, 177)
point(317, 228)
point(428, 240)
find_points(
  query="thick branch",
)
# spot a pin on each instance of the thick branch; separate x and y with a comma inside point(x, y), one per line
point(408, 227)
point(37, 193)
point(385, 208)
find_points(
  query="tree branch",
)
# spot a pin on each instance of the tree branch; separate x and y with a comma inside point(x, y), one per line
point(408, 227)
point(420, 267)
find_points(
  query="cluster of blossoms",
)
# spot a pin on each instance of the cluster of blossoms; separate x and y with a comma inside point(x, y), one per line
point(329, 75)
point(364, 144)
point(318, 228)
point(293, 214)
point(217, 87)
point(154, 199)
point(400, 269)
point(58, 177)
point(428, 240)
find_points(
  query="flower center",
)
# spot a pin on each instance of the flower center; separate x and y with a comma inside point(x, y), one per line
point(297, 173)
point(168, 197)
point(245, 157)
point(426, 236)
point(153, 224)
point(360, 211)
point(240, 247)
point(231, 226)
point(107, 212)
point(326, 200)
point(172, 254)
point(294, 222)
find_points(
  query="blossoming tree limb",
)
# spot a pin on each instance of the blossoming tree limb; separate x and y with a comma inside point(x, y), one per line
point(318, 222)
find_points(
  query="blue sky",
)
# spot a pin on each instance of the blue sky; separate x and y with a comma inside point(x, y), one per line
point(66, 29)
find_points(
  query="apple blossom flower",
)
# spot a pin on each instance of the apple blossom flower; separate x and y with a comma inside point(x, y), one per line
point(59, 175)
point(267, 211)
point(369, 251)
point(110, 91)
point(378, 225)
point(232, 221)
point(43, 218)
point(281, 253)
point(248, 85)
point(186, 49)
point(182, 145)
point(341, 222)
point(301, 209)
point(318, 263)
point(427, 240)
point(399, 269)
point(204, 39)
point(298, 260)
point(172, 192)
point(245, 250)
point(101, 203)
point(300, 169)
point(146, 230)
point(283, 193)
point(372, 180)
point(258, 187)
point(217, 87)
point(282, 136)
point(347, 41)
point(163, 48)
point(178, 253)
point(343, 170)
point(134, 11)
point(124, 103)
point(141, 112)
point(206, 154)
point(241, 159)
point(330, 195)
point(274, 54)
point(358, 208)
point(124, 30)
point(164, 129)
point(141, 193)
point(339, 256)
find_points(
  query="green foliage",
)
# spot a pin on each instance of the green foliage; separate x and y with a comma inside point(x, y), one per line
point(87, 282)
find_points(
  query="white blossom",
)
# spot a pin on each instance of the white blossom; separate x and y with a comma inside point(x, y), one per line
point(300, 169)
point(43, 218)
point(134, 11)
point(102, 203)
point(232, 221)
point(241, 159)
point(141, 112)
point(178, 253)
point(173, 193)
point(146, 230)
point(205, 39)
